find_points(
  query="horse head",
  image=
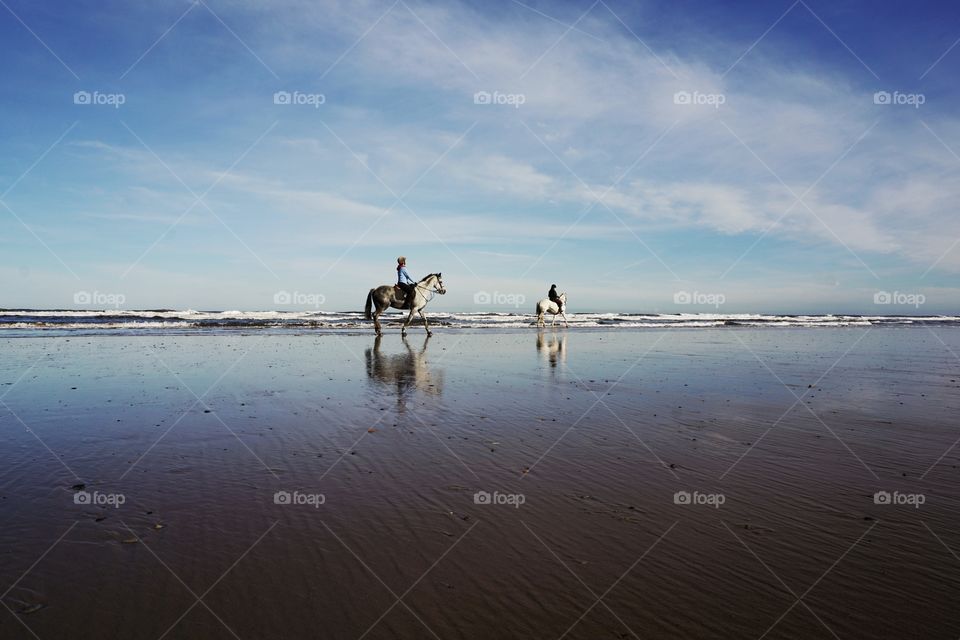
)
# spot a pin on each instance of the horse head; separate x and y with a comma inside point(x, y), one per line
point(438, 285)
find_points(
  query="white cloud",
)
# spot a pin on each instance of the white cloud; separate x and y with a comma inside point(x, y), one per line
point(400, 99)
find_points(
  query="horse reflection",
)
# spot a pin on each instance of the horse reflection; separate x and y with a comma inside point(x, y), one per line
point(553, 347)
point(406, 371)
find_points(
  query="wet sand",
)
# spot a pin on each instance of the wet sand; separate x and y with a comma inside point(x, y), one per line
point(594, 432)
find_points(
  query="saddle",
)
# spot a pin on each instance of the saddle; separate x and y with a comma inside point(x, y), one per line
point(401, 295)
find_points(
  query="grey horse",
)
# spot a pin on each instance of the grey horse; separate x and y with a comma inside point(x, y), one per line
point(385, 297)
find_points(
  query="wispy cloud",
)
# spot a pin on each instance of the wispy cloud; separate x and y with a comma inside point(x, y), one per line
point(779, 157)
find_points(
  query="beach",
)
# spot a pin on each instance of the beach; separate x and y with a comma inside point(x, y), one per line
point(729, 481)
point(474, 320)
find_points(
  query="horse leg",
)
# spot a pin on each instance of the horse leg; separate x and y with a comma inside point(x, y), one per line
point(376, 320)
point(403, 330)
point(565, 323)
point(426, 325)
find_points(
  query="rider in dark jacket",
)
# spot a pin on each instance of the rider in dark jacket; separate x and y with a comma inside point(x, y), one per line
point(555, 297)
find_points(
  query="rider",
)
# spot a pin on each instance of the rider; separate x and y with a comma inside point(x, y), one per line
point(555, 297)
point(404, 281)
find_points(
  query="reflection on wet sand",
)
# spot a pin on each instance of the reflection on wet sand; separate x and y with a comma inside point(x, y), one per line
point(405, 371)
point(552, 346)
point(400, 494)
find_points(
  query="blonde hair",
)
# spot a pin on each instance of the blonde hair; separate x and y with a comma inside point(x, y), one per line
point(401, 260)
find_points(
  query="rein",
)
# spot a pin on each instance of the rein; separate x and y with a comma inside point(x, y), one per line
point(433, 292)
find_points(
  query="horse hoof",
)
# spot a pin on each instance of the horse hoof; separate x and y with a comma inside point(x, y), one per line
point(429, 333)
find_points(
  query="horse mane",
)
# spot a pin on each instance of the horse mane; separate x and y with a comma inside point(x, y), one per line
point(428, 276)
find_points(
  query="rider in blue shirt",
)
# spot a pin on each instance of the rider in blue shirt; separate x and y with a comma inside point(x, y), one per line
point(404, 281)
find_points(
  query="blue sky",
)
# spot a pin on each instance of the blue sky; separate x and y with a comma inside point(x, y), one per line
point(629, 152)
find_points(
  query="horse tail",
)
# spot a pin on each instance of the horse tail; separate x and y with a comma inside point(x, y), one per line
point(366, 309)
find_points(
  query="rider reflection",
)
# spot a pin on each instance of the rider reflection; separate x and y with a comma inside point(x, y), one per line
point(553, 347)
point(406, 371)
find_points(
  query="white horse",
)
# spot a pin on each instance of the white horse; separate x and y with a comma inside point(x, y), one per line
point(548, 305)
point(386, 296)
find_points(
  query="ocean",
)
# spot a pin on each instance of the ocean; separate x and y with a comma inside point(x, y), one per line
point(32, 322)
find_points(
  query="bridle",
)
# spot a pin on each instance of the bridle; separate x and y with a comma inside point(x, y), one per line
point(438, 288)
